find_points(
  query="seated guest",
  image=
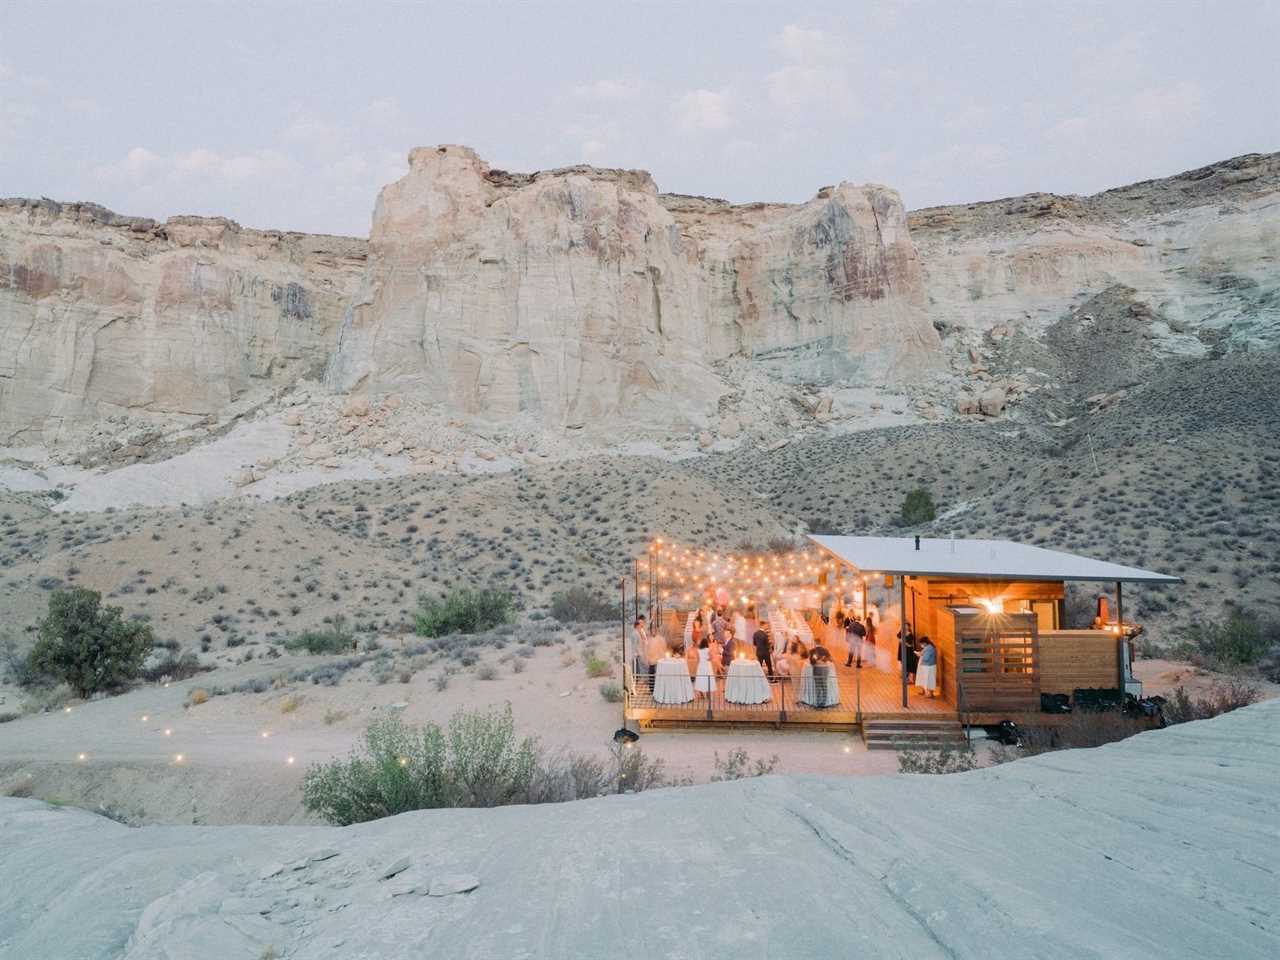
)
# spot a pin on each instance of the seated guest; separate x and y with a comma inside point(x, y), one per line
point(819, 654)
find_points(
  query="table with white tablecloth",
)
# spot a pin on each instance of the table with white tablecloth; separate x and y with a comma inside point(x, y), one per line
point(745, 682)
point(671, 683)
point(817, 692)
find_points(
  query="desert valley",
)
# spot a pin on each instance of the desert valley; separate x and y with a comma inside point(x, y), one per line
point(282, 452)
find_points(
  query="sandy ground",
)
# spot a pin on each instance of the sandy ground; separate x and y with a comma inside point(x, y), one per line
point(243, 755)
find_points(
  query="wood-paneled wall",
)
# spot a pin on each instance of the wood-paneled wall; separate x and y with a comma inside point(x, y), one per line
point(1070, 659)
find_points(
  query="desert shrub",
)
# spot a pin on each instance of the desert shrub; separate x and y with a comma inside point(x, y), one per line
point(635, 772)
point(198, 696)
point(569, 776)
point(611, 692)
point(88, 646)
point(332, 716)
point(1241, 639)
point(7, 717)
point(1085, 728)
point(595, 666)
point(335, 638)
point(487, 671)
point(463, 611)
point(948, 758)
point(174, 668)
point(918, 507)
point(1224, 696)
point(738, 765)
point(476, 762)
point(18, 668)
point(580, 605)
point(44, 699)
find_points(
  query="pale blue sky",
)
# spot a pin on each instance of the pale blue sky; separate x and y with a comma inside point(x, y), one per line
point(292, 115)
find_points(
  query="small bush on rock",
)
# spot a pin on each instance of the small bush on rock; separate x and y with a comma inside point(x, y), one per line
point(918, 507)
point(948, 758)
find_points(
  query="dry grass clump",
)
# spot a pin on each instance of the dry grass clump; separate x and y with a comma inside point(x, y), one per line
point(198, 696)
point(291, 702)
point(1224, 696)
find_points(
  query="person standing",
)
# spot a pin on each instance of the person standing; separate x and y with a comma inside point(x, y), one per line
point(657, 649)
point(727, 650)
point(854, 632)
point(869, 639)
point(764, 652)
point(640, 648)
point(705, 680)
point(927, 671)
point(718, 623)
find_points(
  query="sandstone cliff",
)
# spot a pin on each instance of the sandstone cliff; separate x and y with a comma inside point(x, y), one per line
point(101, 314)
point(1200, 249)
point(583, 297)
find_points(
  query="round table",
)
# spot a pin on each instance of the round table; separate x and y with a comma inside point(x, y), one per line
point(671, 683)
point(828, 695)
point(745, 682)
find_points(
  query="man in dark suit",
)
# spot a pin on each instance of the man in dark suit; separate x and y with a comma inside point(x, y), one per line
point(763, 650)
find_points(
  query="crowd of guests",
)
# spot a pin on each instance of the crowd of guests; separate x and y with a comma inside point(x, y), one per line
point(922, 655)
point(714, 645)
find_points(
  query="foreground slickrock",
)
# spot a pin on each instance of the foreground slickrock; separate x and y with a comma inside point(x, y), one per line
point(1163, 845)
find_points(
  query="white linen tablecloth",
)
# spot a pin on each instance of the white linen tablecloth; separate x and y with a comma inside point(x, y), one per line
point(809, 689)
point(671, 683)
point(745, 683)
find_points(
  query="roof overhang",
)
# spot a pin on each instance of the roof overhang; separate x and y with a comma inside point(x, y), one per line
point(976, 560)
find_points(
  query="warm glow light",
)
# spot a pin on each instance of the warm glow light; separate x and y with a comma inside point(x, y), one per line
point(266, 733)
point(992, 605)
point(82, 757)
point(177, 758)
point(167, 731)
point(289, 761)
point(144, 718)
point(404, 761)
point(66, 709)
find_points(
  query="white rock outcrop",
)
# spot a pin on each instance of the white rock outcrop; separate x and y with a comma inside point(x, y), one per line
point(584, 298)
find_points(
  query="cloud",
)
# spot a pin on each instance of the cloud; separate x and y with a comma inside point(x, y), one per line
point(1178, 105)
point(383, 111)
point(315, 133)
point(806, 46)
point(141, 166)
point(700, 111)
point(816, 75)
point(610, 91)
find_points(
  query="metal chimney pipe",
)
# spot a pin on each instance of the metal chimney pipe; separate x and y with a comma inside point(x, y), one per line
point(917, 541)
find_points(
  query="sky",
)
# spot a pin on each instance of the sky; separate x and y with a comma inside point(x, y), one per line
point(292, 115)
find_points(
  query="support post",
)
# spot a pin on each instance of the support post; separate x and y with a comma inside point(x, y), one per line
point(635, 575)
point(625, 692)
point(1120, 609)
point(902, 635)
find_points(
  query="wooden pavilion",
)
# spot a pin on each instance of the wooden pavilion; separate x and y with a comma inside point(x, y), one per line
point(993, 609)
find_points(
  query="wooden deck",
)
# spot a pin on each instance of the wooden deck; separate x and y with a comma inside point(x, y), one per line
point(868, 694)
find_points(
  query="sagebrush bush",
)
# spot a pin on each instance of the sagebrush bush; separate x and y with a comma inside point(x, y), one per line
point(88, 646)
point(580, 605)
point(948, 758)
point(477, 760)
point(463, 611)
point(738, 765)
point(1084, 728)
point(335, 638)
point(1241, 639)
point(611, 692)
point(595, 666)
point(1223, 697)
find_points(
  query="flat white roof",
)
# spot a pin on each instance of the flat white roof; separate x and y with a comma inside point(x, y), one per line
point(976, 559)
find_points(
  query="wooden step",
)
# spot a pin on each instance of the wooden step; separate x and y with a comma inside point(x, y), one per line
point(917, 734)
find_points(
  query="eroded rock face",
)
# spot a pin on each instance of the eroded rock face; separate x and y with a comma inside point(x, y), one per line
point(584, 298)
point(1200, 248)
point(101, 314)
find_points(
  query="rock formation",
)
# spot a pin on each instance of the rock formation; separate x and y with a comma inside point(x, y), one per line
point(1200, 249)
point(584, 298)
point(101, 314)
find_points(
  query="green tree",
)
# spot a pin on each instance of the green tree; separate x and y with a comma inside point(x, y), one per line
point(88, 646)
point(918, 507)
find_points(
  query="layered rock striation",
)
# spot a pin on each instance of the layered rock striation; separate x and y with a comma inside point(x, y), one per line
point(584, 298)
point(1199, 250)
point(102, 314)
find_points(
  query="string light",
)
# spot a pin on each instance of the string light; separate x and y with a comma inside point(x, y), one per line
point(82, 757)
point(177, 758)
point(168, 732)
point(289, 760)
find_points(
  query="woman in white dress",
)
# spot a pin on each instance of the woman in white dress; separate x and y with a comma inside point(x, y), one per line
point(705, 680)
